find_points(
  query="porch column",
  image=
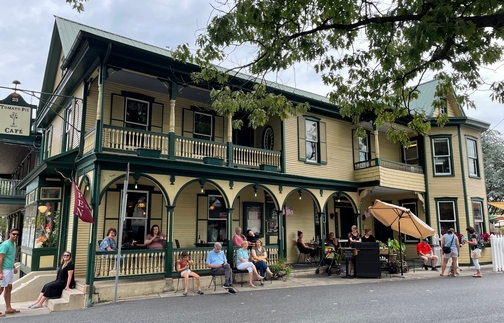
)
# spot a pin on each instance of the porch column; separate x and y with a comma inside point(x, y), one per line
point(229, 230)
point(169, 244)
point(171, 128)
point(281, 234)
point(229, 140)
point(377, 142)
point(95, 204)
point(323, 223)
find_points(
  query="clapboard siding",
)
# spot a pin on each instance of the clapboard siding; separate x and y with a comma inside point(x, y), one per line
point(57, 133)
point(91, 104)
point(388, 149)
point(185, 215)
point(302, 220)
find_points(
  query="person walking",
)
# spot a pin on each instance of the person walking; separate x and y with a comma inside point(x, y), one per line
point(475, 245)
point(7, 255)
point(450, 243)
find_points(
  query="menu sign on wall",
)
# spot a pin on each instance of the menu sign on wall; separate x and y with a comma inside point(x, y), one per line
point(15, 120)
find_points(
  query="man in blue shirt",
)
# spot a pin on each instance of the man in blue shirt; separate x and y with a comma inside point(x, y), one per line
point(217, 262)
point(7, 272)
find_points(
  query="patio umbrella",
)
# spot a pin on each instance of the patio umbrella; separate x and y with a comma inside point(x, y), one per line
point(402, 220)
point(499, 205)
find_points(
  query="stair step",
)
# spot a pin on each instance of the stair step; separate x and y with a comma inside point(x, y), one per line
point(70, 300)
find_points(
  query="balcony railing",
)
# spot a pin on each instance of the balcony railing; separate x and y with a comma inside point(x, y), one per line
point(253, 157)
point(8, 187)
point(388, 164)
point(198, 149)
point(129, 139)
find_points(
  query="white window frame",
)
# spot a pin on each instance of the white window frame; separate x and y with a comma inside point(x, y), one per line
point(440, 159)
point(472, 157)
point(220, 218)
point(312, 140)
point(126, 122)
point(451, 223)
point(363, 144)
point(69, 128)
point(48, 141)
point(478, 217)
point(412, 147)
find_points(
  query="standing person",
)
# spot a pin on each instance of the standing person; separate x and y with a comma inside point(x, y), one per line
point(353, 236)
point(7, 255)
point(217, 262)
point(425, 253)
point(64, 281)
point(368, 237)
point(251, 238)
point(450, 240)
point(238, 238)
point(475, 245)
point(155, 239)
point(183, 265)
point(242, 263)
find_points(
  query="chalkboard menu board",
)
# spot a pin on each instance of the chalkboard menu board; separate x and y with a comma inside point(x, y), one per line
point(347, 253)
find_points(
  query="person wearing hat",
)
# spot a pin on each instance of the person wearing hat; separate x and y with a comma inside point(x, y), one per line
point(425, 253)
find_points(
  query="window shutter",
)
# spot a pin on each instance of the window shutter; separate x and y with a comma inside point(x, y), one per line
point(157, 117)
point(188, 116)
point(219, 129)
point(323, 142)
point(118, 107)
point(301, 139)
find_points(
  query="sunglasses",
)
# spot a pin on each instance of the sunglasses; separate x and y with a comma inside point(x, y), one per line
point(15, 234)
point(66, 255)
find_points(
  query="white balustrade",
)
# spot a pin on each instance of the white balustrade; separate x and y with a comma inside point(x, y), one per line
point(497, 243)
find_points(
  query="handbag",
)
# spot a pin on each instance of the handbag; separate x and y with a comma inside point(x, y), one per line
point(448, 249)
point(476, 254)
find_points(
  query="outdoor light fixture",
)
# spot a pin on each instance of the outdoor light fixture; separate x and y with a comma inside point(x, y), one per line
point(202, 185)
point(300, 191)
point(141, 204)
point(255, 190)
point(42, 208)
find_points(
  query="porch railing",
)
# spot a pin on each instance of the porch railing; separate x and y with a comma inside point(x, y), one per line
point(133, 263)
point(89, 141)
point(8, 187)
point(128, 139)
point(388, 164)
point(254, 157)
point(198, 149)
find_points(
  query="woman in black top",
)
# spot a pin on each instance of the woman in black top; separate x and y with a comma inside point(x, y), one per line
point(354, 236)
point(368, 237)
point(64, 280)
point(303, 248)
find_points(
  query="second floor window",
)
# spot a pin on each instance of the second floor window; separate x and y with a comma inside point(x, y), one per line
point(472, 157)
point(48, 142)
point(203, 125)
point(411, 153)
point(136, 114)
point(364, 148)
point(312, 141)
point(69, 128)
point(442, 157)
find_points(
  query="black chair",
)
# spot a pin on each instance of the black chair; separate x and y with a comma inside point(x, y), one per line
point(302, 252)
point(214, 281)
point(178, 281)
point(177, 243)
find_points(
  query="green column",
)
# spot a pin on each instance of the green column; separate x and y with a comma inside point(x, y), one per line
point(281, 235)
point(230, 236)
point(169, 244)
point(95, 204)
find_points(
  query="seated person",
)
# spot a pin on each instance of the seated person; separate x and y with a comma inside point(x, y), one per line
point(368, 237)
point(331, 243)
point(108, 243)
point(183, 265)
point(303, 248)
point(251, 238)
point(217, 262)
point(64, 281)
point(155, 239)
point(425, 253)
point(243, 263)
point(238, 238)
point(260, 260)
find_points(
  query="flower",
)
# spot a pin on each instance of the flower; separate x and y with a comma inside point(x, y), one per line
point(39, 243)
point(485, 237)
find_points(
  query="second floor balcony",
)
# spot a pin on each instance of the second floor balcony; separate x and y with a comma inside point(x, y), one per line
point(170, 146)
point(391, 174)
point(9, 190)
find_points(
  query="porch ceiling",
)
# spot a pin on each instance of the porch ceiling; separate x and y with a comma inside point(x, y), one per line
point(10, 157)
point(6, 209)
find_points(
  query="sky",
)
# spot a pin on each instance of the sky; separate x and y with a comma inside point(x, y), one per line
point(26, 29)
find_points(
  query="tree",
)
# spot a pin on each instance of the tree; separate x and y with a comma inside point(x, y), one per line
point(77, 4)
point(492, 144)
point(372, 53)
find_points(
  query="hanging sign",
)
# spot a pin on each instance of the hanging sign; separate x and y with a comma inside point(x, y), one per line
point(15, 116)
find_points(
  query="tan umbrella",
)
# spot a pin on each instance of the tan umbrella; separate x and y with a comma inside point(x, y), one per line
point(499, 205)
point(400, 219)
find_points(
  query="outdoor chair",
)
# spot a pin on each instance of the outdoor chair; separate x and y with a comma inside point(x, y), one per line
point(178, 281)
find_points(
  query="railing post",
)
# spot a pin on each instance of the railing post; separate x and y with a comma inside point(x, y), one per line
point(230, 253)
point(230, 154)
point(171, 146)
point(169, 244)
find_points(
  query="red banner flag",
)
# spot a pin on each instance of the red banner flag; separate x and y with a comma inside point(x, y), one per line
point(81, 207)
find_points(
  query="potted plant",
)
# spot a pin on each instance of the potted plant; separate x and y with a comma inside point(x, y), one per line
point(282, 269)
point(394, 247)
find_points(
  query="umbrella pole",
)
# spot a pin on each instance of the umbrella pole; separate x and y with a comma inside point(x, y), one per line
point(400, 245)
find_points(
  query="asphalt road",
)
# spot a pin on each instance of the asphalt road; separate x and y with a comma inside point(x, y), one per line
point(440, 299)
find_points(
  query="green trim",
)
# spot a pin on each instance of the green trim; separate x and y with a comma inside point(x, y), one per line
point(63, 225)
point(478, 158)
point(482, 201)
point(36, 253)
point(229, 224)
point(282, 156)
point(83, 119)
point(230, 154)
point(171, 145)
point(95, 202)
point(426, 180)
point(464, 185)
point(169, 244)
point(452, 168)
point(64, 134)
point(478, 125)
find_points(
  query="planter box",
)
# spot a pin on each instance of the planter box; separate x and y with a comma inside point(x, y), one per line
point(151, 153)
point(269, 168)
point(213, 161)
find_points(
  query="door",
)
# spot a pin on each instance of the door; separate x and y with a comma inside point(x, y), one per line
point(272, 221)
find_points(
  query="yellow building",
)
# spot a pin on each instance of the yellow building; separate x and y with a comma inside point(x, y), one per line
point(116, 102)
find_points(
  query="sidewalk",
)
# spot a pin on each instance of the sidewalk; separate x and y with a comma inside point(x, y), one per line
point(302, 276)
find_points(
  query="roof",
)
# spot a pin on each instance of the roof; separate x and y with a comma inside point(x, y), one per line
point(426, 97)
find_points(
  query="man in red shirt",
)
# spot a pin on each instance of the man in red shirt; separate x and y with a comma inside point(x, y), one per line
point(425, 253)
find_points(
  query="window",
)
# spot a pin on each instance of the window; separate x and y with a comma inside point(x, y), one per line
point(446, 213)
point(442, 157)
point(69, 128)
point(472, 157)
point(137, 214)
point(203, 125)
point(48, 142)
point(136, 114)
point(411, 154)
point(477, 207)
point(217, 218)
point(312, 140)
point(413, 208)
point(363, 144)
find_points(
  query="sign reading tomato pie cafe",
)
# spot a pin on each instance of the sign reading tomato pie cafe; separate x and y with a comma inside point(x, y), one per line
point(15, 116)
